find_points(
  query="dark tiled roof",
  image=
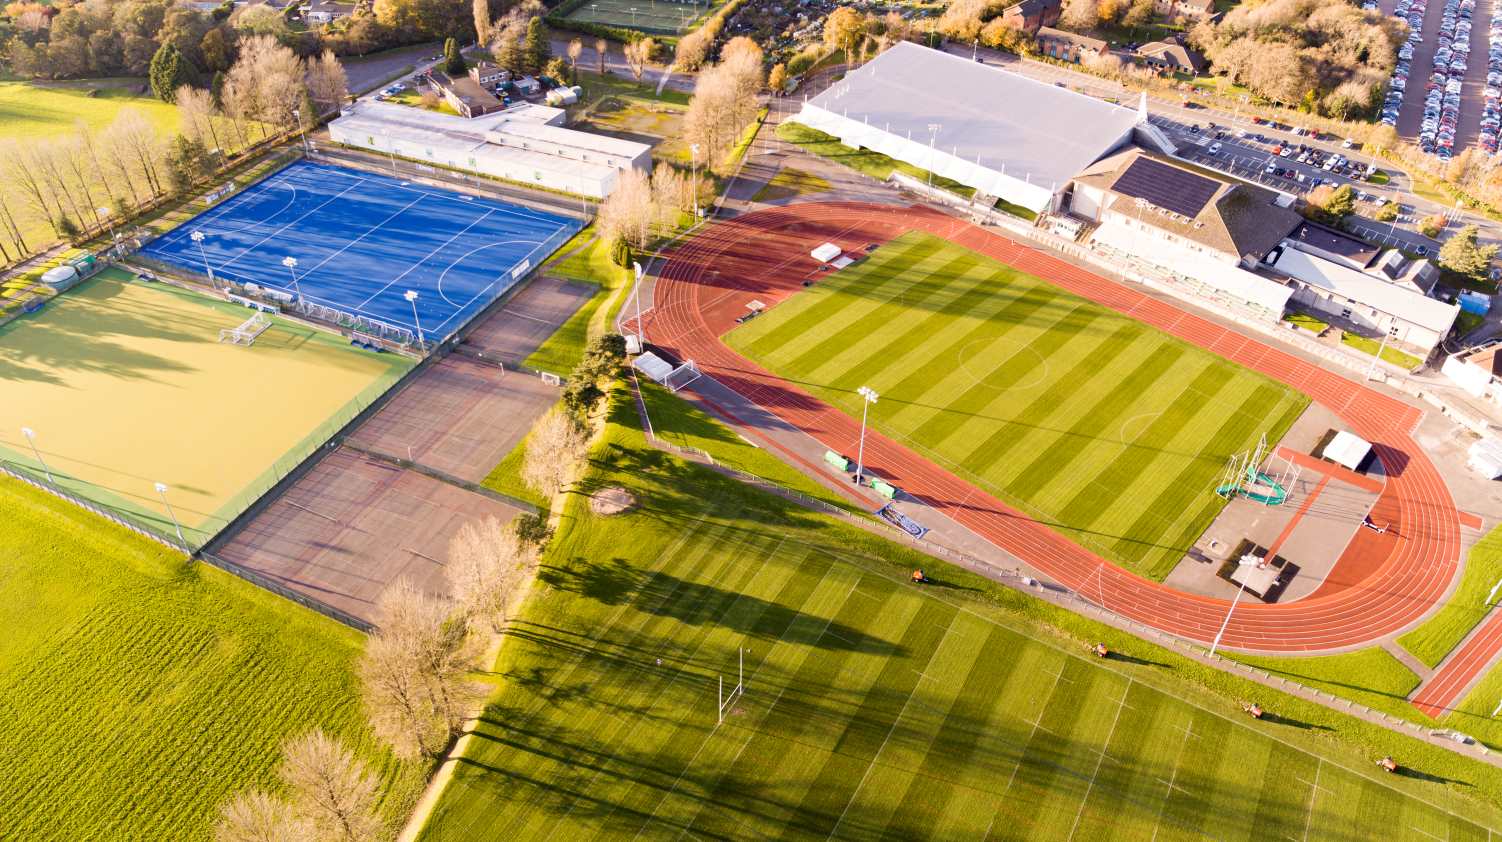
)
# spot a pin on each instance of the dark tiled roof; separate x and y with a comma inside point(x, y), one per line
point(1028, 8)
point(1049, 33)
point(1168, 187)
point(1329, 240)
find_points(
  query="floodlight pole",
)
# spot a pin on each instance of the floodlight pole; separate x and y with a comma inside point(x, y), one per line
point(411, 296)
point(31, 437)
point(933, 135)
point(109, 222)
point(1216, 643)
point(297, 115)
point(390, 152)
point(1372, 369)
point(291, 264)
point(161, 490)
point(197, 237)
point(641, 337)
point(693, 151)
point(868, 397)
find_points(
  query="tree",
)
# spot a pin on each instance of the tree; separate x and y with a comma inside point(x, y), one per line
point(843, 30)
point(1138, 13)
point(777, 79)
point(535, 49)
point(188, 162)
point(575, 49)
point(627, 213)
point(1342, 202)
point(196, 106)
point(692, 51)
point(414, 673)
point(557, 69)
point(1387, 212)
point(216, 50)
point(327, 84)
point(168, 71)
point(481, 11)
point(554, 448)
point(724, 103)
point(1431, 225)
point(1079, 15)
point(1462, 255)
point(600, 46)
point(489, 570)
point(216, 87)
point(330, 787)
point(508, 49)
point(453, 60)
point(257, 816)
point(620, 253)
point(638, 53)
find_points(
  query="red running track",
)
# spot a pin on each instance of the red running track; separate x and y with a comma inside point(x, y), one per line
point(1460, 670)
point(1388, 584)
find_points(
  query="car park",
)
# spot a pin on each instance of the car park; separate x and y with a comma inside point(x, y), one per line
point(1214, 149)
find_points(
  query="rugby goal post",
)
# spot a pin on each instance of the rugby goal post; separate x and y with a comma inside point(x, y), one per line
point(726, 700)
point(681, 376)
point(247, 331)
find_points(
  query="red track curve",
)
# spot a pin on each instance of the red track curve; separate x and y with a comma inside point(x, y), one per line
point(1388, 581)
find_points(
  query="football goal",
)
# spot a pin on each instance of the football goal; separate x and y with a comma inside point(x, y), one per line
point(248, 330)
point(681, 376)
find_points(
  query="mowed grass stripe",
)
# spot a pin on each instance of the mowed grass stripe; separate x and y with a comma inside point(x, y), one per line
point(1070, 444)
point(926, 297)
point(867, 729)
point(835, 304)
point(754, 624)
point(1127, 798)
point(1081, 379)
point(905, 334)
point(770, 667)
point(1136, 454)
point(565, 783)
point(940, 395)
point(770, 757)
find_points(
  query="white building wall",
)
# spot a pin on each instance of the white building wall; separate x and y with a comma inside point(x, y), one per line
point(1472, 378)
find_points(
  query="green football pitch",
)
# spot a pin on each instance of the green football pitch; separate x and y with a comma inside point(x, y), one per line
point(1106, 429)
point(871, 709)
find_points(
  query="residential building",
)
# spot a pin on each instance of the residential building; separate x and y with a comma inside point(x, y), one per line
point(526, 143)
point(488, 75)
point(466, 95)
point(1069, 46)
point(1171, 56)
point(324, 11)
point(1187, 9)
point(1195, 229)
point(1003, 134)
point(1032, 15)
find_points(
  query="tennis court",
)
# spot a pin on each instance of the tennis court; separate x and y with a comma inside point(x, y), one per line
point(362, 240)
point(663, 17)
point(125, 384)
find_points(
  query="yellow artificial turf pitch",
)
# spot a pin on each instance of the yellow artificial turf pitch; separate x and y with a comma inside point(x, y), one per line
point(125, 384)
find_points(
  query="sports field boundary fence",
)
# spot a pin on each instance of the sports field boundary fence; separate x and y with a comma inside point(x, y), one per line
point(1076, 601)
point(269, 584)
point(115, 516)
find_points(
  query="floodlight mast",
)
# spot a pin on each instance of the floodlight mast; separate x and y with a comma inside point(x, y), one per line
point(197, 237)
point(291, 264)
point(1245, 561)
point(31, 438)
point(868, 397)
point(411, 296)
point(161, 490)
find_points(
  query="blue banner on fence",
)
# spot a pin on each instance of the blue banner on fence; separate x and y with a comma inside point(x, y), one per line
point(902, 521)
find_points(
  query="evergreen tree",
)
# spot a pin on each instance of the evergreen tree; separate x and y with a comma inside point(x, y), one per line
point(620, 253)
point(167, 71)
point(1464, 256)
point(535, 51)
point(453, 60)
point(216, 87)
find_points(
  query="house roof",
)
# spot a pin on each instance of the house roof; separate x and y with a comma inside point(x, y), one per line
point(1027, 129)
point(1049, 33)
point(1028, 8)
point(1199, 205)
point(1202, 5)
point(1335, 242)
point(1367, 290)
point(1172, 52)
point(468, 91)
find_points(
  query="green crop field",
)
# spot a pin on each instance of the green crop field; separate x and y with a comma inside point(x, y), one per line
point(1108, 430)
point(872, 708)
point(138, 691)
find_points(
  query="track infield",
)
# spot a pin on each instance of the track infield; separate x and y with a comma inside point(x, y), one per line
point(1106, 429)
point(125, 384)
point(872, 709)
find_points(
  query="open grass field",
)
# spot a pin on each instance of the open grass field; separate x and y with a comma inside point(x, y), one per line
point(1110, 431)
point(872, 709)
point(138, 690)
point(34, 110)
point(126, 384)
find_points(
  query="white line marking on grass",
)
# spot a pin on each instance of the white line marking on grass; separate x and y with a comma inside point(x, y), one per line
point(1120, 703)
point(1433, 835)
point(875, 758)
point(1036, 724)
point(716, 728)
point(314, 210)
point(378, 226)
point(1319, 766)
point(1172, 781)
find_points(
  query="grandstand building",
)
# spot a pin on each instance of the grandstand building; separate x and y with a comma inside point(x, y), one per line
point(1194, 228)
point(525, 143)
point(1004, 135)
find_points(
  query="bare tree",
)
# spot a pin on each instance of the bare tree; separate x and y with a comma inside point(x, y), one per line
point(330, 787)
point(489, 571)
point(268, 81)
point(47, 160)
point(1079, 15)
point(575, 49)
point(73, 155)
point(482, 22)
point(638, 53)
point(327, 84)
point(414, 672)
point(9, 226)
point(198, 112)
point(724, 103)
point(600, 46)
point(257, 816)
point(239, 105)
point(139, 145)
point(556, 443)
point(15, 161)
point(627, 213)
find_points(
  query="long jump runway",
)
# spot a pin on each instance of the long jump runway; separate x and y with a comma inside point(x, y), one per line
point(708, 279)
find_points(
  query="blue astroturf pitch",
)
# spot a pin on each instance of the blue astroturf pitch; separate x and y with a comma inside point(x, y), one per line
point(362, 240)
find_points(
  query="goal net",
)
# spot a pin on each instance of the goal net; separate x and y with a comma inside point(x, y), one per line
point(681, 376)
point(248, 330)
